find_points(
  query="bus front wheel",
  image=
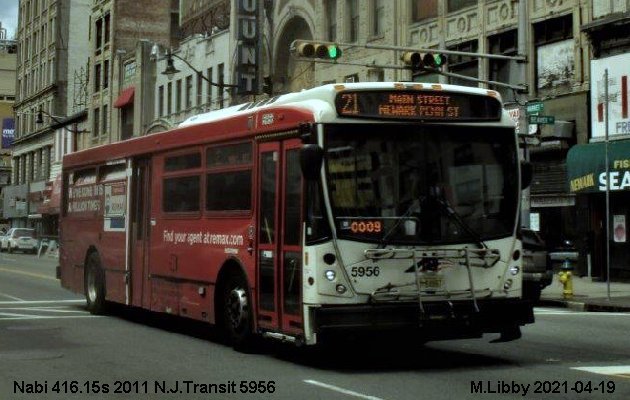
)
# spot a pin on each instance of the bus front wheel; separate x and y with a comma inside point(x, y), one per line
point(94, 285)
point(237, 313)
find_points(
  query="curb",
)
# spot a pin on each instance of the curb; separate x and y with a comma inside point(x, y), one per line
point(599, 307)
point(570, 304)
point(584, 306)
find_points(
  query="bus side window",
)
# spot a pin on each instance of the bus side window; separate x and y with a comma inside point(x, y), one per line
point(181, 194)
point(229, 177)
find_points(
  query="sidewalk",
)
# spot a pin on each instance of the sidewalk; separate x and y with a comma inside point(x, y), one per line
point(588, 295)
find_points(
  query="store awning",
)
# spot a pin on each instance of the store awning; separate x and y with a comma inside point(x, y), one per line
point(126, 97)
point(586, 167)
point(52, 197)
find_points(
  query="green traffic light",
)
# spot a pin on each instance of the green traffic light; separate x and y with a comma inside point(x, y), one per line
point(334, 52)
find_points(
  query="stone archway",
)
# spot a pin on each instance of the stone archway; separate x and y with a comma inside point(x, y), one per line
point(159, 125)
point(292, 75)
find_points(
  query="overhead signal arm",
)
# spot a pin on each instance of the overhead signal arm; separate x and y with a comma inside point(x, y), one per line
point(416, 59)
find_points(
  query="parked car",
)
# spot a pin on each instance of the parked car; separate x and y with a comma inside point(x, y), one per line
point(537, 268)
point(22, 239)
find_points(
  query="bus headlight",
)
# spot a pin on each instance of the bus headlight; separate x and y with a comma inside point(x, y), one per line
point(330, 275)
point(507, 284)
point(514, 270)
point(341, 289)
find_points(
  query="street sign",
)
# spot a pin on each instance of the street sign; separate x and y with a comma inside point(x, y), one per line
point(535, 107)
point(542, 119)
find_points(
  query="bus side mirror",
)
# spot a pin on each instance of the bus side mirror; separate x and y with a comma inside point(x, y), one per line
point(311, 156)
point(526, 174)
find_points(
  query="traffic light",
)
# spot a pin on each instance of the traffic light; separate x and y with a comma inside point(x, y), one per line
point(418, 61)
point(434, 60)
point(308, 49)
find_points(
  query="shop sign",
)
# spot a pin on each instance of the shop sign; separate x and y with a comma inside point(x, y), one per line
point(619, 228)
point(534, 222)
point(586, 167)
point(248, 36)
point(552, 201)
point(8, 132)
point(618, 180)
point(618, 106)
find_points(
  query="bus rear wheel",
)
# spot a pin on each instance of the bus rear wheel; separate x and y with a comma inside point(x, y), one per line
point(94, 285)
point(237, 313)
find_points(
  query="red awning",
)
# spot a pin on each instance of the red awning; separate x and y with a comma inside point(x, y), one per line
point(126, 97)
point(52, 197)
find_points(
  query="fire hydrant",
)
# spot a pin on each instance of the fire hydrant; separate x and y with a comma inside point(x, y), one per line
point(565, 277)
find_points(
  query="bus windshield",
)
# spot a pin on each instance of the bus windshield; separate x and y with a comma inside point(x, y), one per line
point(428, 184)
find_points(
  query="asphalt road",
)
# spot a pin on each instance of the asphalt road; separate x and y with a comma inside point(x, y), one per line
point(51, 348)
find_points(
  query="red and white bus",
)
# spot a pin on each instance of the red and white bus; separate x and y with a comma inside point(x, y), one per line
point(344, 207)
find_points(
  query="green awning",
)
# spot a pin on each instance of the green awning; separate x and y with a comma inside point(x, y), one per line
point(586, 167)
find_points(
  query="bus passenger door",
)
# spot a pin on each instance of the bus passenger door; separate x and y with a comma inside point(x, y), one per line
point(279, 248)
point(140, 228)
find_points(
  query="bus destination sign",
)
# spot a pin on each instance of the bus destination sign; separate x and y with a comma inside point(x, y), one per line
point(418, 105)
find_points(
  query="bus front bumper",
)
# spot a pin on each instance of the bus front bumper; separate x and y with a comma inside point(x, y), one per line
point(440, 320)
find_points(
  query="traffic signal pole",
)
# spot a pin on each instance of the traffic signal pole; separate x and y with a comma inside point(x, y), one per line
point(519, 58)
point(518, 88)
point(306, 51)
point(522, 41)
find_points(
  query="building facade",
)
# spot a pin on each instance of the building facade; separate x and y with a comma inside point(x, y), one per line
point(352, 21)
point(589, 176)
point(47, 41)
point(197, 87)
point(203, 17)
point(8, 61)
point(117, 27)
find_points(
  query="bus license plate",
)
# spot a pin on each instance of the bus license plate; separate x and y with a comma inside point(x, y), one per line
point(431, 282)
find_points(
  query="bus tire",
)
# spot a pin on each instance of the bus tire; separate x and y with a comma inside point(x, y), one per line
point(237, 313)
point(94, 284)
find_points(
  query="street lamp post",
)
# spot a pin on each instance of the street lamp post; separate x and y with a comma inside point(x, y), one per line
point(39, 119)
point(171, 70)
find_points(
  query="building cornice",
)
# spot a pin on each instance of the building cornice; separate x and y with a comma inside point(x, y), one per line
point(47, 90)
point(32, 136)
point(616, 19)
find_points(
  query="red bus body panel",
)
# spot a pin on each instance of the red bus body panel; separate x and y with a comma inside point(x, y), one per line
point(181, 276)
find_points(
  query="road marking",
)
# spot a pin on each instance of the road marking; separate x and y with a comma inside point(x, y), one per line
point(11, 297)
point(28, 274)
point(48, 317)
point(43, 309)
point(14, 315)
point(593, 313)
point(26, 312)
point(621, 371)
point(78, 301)
point(341, 390)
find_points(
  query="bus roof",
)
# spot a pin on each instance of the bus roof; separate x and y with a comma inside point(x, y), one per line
point(244, 120)
point(320, 100)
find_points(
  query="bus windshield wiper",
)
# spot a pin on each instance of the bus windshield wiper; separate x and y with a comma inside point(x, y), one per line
point(400, 219)
point(454, 215)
